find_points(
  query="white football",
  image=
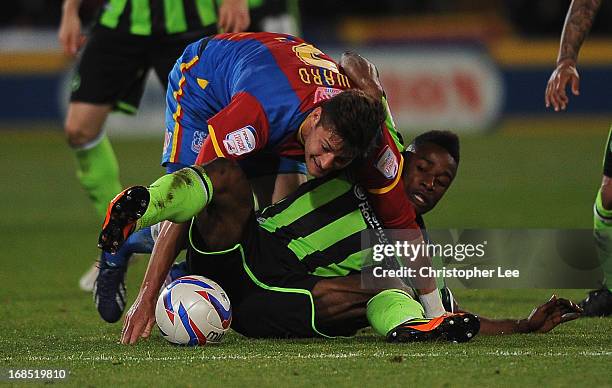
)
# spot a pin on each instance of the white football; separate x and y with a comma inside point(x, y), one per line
point(193, 310)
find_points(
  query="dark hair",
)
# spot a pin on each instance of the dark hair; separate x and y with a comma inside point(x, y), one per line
point(356, 118)
point(445, 139)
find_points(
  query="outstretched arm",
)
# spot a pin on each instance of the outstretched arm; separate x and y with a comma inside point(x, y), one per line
point(577, 25)
point(141, 317)
point(542, 319)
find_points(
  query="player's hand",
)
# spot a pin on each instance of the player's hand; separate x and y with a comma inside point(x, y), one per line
point(70, 37)
point(234, 16)
point(362, 73)
point(139, 320)
point(555, 89)
point(551, 314)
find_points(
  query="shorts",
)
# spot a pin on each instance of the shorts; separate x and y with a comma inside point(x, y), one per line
point(269, 289)
point(182, 142)
point(114, 65)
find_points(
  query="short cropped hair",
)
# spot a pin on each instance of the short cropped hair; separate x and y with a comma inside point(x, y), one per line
point(356, 118)
point(445, 139)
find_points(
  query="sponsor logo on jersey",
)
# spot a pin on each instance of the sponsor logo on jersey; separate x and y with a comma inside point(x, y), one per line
point(241, 141)
point(359, 193)
point(387, 164)
point(312, 56)
point(372, 221)
point(198, 140)
point(323, 93)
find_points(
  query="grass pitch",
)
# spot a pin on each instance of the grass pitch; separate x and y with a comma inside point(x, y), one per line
point(49, 231)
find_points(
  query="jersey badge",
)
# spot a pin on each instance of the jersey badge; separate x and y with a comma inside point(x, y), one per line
point(241, 141)
point(198, 140)
point(323, 93)
point(387, 164)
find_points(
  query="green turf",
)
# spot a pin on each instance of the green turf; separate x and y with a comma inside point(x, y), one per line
point(48, 239)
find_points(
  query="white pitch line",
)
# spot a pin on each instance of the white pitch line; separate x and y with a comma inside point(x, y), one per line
point(313, 356)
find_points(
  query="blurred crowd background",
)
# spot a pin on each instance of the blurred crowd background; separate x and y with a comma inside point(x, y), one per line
point(473, 66)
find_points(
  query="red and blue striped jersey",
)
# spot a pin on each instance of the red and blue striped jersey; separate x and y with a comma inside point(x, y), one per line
point(252, 91)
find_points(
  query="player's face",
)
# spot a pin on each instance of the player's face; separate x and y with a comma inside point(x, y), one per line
point(430, 172)
point(323, 152)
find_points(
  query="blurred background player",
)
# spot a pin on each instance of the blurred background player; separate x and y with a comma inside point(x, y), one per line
point(127, 40)
point(578, 22)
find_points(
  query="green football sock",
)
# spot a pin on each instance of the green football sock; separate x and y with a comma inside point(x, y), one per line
point(177, 197)
point(98, 172)
point(603, 236)
point(391, 308)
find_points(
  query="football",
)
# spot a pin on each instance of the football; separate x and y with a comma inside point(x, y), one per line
point(193, 310)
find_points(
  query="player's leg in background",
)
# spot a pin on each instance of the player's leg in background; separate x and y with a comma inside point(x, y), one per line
point(599, 302)
point(110, 75)
point(97, 166)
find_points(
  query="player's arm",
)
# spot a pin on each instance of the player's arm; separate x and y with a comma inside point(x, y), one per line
point(362, 73)
point(577, 25)
point(542, 319)
point(69, 35)
point(237, 131)
point(141, 317)
point(234, 16)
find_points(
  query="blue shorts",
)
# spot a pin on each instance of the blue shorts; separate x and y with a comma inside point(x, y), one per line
point(195, 105)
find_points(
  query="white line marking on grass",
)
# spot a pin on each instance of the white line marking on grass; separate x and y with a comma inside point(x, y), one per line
point(307, 356)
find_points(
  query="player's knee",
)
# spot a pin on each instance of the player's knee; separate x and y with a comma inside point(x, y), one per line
point(227, 178)
point(77, 135)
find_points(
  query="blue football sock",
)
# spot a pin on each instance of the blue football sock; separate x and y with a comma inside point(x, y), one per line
point(138, 242)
